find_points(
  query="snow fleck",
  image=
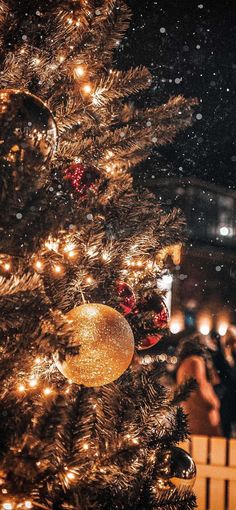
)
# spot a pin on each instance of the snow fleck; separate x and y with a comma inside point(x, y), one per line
point(198, 47)
point(233, 158)
point(90, 217)
point(199, 116)
point(162, 30)
point(154, 140)
point(218, 268)
point(149, 123)
point(200, 6)
point(178, 80)
point(19, 216)
point(24, 37)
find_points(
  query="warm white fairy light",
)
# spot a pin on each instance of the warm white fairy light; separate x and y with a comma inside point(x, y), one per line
point(39, 265)
point(7, 266)
point(70, 475)
point(57, 269)
point(89, 280)
point(85, 446)
point(28, 504)
point(79, 71)
point(7, 506)
point(47, 391)
point(33, 382)
point(21, 388)
point(87, 89)
point(52, 245)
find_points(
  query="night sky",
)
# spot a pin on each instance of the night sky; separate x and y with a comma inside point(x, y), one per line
point(190, 48)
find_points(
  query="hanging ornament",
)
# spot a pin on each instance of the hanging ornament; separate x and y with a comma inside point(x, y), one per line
point(154, 318)
point(28, 135)
point(106, 345)
point(82, 178)
point(176, 469)
point(127, 300)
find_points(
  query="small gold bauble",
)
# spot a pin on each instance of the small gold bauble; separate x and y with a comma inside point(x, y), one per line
point(28, 133)
point(106, 345)
point(176, 468)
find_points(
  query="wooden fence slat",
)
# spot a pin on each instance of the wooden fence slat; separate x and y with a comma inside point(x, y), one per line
point(232, 484)
point(217, 494)
point(199, 452)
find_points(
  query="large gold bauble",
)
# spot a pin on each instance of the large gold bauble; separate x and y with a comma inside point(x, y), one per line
point(176, 469)
point(106, 345)
point(28, 133)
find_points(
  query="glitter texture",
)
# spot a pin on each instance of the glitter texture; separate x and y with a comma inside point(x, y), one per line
point(106, 345)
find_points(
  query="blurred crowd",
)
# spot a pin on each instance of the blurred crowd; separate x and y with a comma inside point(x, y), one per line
point(211, 361)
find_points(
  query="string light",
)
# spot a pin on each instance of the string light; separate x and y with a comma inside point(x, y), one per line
point(7, 266)
point(33, 382)
point(87, 89)
point(7, 506)
point(28, 504)
point(89, 280)
point(85, 446)
point(57, 269)
point(79, 71)
point(70, 475)
point(47, 391)
point(21, 388)
point(39, 265)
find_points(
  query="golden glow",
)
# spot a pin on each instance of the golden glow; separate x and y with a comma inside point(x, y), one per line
point(89, 280)
point(177, 322)
point(39, 265)
point(70, 475)
point(87, 89)
point(47, 391)
point(57, 269)
point(204, 323)
point(85, 446)
point(21, 388)
point(28, 504)
point(33, 382)
point(7, 506)
point(79, 71)
point(7, 266)
point(222, 328)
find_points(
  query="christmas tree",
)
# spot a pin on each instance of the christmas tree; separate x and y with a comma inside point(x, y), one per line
point(85, 424)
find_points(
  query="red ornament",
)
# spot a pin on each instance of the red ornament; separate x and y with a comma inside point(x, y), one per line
point(82, 178)
point(127, 297)
point(160, 321)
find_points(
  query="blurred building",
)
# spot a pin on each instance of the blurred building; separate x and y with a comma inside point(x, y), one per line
point(204, 283)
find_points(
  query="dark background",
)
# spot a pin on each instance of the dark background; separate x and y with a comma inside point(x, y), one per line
point(194, 56)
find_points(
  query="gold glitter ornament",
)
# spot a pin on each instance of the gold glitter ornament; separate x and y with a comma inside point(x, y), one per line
point(28, 134)
point(176, 469)
point(106, 345)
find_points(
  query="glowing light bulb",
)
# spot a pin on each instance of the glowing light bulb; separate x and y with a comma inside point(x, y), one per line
point(38, 265)
point(7, 266)
point(89, 279)
point(7, 506)
point(85, 446)
point(70, 21)
point(21, 388)
point(224, 231)
point(70, 475)
point(57, 269)
point(135, 440)
point(222, 328)
point(47, 391)
point(33, 382)
point(28, 504)
point(79, 71)
point(87, 89)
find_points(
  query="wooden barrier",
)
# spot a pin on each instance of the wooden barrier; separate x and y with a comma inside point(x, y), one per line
point(215, 458)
